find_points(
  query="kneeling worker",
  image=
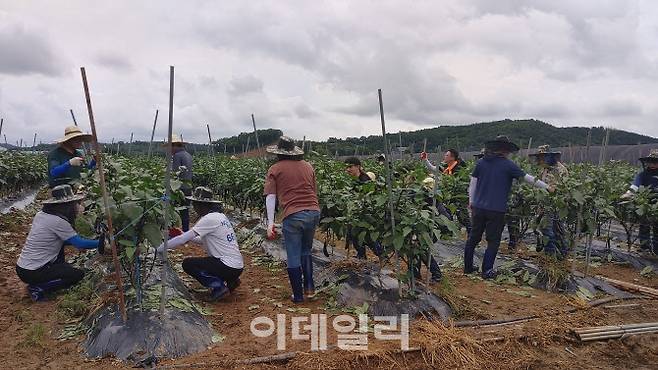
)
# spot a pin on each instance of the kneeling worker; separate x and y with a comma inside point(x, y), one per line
point(41, 263)
point(220, 270)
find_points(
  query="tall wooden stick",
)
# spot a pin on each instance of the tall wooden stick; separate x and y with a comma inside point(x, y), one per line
point(389, 185)
point(34, 141)
point(106, 199)
point(2, 122)
point(155, 121)
point(253, 120)
point(165, 231)
point(529, 146)
point(130, 146)
point(209, 140)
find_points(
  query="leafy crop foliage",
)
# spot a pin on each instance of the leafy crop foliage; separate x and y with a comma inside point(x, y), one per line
point(587, 200)
point(135, 188)
point(20, 171)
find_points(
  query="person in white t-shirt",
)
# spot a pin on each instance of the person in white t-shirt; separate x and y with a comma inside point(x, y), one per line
point(41, 263)
point(220, 270)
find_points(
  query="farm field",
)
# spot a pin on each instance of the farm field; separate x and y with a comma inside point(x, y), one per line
point(545, 299)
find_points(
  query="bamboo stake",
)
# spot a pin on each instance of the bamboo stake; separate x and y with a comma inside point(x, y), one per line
point(210, 150)
point(529, 146)
point(466, 324)
point(75, 122)
point(434, 211)
point(253, 120)
point(130, 145)
point(630, 286)
point(155, 121)
point(106, 199)
point(165, 231)
point(246, 148)
point(389, 185)
point(34, 141)
point(2, 122)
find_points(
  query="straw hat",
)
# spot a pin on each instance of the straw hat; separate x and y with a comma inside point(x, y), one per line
point(285, 146)
point(651, 158)
point(63, 194)
point(501, 143)
point(544, 150)
point(428, 183)
point(372, 175)
point(204, 195)
point(175, 139)
point(72, 132)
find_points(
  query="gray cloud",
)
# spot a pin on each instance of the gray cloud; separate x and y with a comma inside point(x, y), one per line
point(621, 107)
point(314, 68)
point(25, 52)
point(113, 61)
point(245, 84)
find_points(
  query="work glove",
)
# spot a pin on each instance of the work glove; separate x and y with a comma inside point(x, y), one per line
point(174, 232)
point(271, 232)
point(423, 156)
point(76, 161)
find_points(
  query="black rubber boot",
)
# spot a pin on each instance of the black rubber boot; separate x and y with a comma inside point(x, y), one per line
point(295, 276)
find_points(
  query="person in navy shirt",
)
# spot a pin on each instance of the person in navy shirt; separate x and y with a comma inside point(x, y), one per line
point(647, 178)
point(489, 190)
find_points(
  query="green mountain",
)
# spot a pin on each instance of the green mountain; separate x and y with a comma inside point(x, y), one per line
point(472, 137)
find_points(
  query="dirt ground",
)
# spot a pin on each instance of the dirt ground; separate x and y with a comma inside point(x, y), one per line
point(543, 343)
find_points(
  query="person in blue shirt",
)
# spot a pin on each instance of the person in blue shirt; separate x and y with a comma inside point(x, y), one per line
point(66, 161)
point(489, 190)
point(647, 178)
point(182, 163)
point(41, 263)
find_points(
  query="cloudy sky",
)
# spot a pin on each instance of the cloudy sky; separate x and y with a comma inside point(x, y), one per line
point(313, 67)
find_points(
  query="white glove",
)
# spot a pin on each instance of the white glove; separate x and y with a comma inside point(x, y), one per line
point(76, 161)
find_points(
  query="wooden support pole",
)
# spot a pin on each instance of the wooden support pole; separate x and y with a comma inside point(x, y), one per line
point(389, 185)
point(167, 202)
point(210, 151)
point(529, 146)
point(106, 198)
point(130, 145)
point(2, 122)
point(630, 286)
point(155, 121)
point(34, 141)
point(253, 121)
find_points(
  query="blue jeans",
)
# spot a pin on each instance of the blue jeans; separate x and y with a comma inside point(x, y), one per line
point(298, 232)
point(645, 237)
point(492, 223)
point(553, 240)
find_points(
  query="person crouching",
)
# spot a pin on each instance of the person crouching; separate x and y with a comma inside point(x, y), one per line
point(220, 271)
point(41, 263)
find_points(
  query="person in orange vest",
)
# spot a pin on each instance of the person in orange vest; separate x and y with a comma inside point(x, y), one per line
point(452, 163)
